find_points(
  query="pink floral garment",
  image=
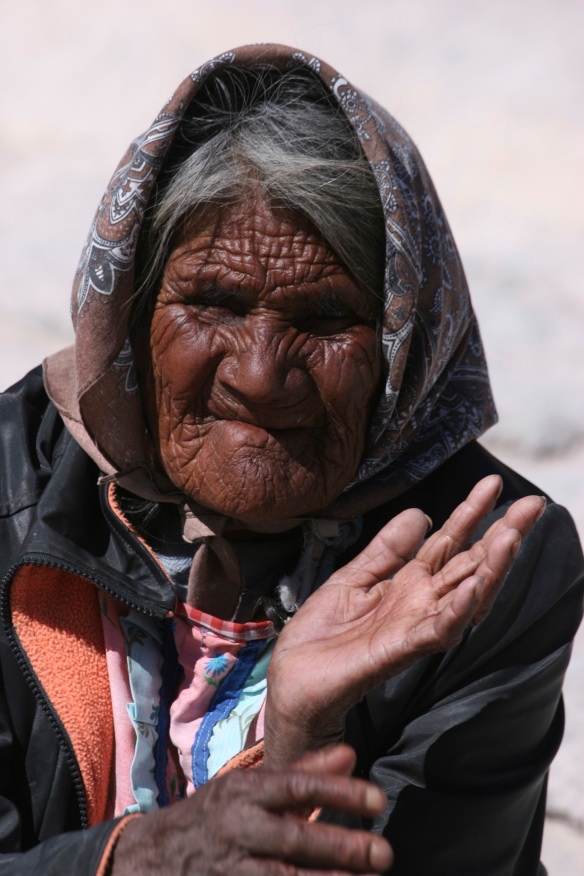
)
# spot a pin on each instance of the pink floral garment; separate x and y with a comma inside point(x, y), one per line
point(216, 712)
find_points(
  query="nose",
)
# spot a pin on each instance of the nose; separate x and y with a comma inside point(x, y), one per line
point(260, 368)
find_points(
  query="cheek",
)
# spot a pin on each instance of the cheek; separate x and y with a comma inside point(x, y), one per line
point(348, 374)
point(183, 358)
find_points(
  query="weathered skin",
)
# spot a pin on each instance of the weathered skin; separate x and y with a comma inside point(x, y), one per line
point(259, 397)
point(252, 823)
point(265, 365)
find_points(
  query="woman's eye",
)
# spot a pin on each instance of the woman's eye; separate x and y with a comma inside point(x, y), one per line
point(213, 307)
point(327, 323)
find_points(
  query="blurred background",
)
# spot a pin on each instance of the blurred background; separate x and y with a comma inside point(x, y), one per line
point(493, 94)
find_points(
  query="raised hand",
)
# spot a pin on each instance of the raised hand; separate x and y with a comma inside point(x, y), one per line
point(400, 599)
point(253, 823)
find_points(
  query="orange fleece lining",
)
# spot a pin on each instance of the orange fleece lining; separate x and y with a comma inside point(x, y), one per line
point(102, 869)
point(56, 617)
point(115, 507)
point(249, 758)
point(57, 620)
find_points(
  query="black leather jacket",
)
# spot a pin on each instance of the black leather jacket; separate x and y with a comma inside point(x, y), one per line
point(461, 742)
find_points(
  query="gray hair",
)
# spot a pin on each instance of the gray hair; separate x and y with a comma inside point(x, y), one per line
point(282, 137)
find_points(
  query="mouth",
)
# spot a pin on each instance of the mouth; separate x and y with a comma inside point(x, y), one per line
point(236, 435)
point(252, 427)
point(273, 420)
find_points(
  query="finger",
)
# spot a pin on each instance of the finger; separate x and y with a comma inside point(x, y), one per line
point(519, 519)
point(494, 569)
point(469, 602)
point(522, 515)
point(256, 866)
point(295, 790)
point(473, 599)
point(457, 613)
point(392, 548)
point(332, 759)
point(443, 628)
point(461, 525)
point(294, 841)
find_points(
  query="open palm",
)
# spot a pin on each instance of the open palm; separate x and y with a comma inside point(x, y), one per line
point(400, 599)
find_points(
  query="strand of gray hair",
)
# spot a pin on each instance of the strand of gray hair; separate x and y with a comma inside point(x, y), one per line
point(281, 137)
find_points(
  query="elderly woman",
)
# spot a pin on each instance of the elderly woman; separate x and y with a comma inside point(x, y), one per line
point(215, 569)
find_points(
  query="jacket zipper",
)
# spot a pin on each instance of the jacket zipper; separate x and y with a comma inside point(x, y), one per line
point(132, 539)
point(30, 675)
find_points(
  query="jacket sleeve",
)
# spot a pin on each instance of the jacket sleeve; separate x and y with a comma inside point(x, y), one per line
point(463, 742)
point(76, 853)
point(39, 809)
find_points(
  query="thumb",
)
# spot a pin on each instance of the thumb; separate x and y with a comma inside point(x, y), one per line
point(392, 548)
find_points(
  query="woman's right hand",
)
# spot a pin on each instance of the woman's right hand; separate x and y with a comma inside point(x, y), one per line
point(253, 823)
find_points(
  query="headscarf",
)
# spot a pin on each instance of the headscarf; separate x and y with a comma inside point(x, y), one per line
point(436, 397)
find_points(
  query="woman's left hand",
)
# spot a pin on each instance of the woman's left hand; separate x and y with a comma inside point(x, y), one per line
point(362, 626)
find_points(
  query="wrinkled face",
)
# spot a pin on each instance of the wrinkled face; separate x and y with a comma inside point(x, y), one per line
point(265, 365)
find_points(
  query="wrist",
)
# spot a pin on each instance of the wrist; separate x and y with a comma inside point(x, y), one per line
point(288, 735)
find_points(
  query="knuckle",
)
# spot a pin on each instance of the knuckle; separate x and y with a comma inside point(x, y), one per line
point(353, 849)
point(292, 838)
point(219, 791)
point(243, 782)
point(454, 544)
point(300, 787)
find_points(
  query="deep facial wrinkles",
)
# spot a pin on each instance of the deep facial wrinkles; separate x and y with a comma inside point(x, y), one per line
point(263, 387)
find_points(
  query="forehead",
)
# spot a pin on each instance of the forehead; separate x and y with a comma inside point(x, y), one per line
point(254, 246)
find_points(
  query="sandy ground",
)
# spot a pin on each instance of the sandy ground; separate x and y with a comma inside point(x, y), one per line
point(493, 94)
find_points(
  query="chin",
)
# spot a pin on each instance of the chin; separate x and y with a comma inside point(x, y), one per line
point(261, 481)
point(265, 511)
point(266, 499)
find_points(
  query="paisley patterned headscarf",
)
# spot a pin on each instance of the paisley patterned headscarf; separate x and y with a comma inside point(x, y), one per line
point(436, 396)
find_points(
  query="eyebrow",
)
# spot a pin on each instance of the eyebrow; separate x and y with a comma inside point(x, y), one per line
point(219, 292)
point(216, 293)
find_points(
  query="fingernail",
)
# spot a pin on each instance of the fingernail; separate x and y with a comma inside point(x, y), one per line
point(430, 523)
point(379, 854)
point(515, 548)
point(500, 490)
point(542, 509)
point(375, 799)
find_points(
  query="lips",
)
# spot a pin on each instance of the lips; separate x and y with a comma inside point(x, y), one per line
point(272, 418)
point(268, 447)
